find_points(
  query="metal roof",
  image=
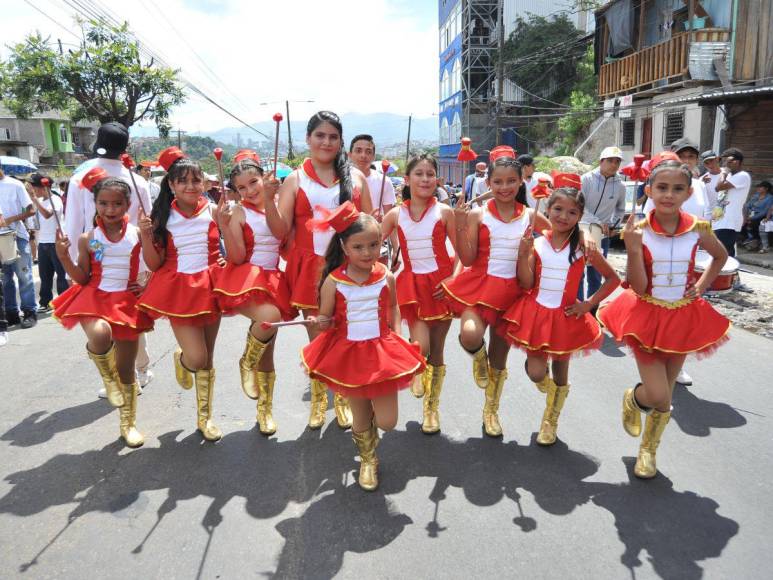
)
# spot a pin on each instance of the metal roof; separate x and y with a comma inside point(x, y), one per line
point(722, 95)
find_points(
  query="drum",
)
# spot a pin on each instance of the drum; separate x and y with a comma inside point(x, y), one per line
point(724, 281)
point(8, 247)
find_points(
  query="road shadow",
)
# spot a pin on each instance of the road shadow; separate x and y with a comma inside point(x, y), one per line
point(696, 416)
point(41, 426)
point(677, 530)
point(611, 348)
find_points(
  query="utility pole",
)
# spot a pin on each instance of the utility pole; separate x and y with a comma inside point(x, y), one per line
point(500, 71)
point(408, 142)
point(180, 134)
point(290, 154)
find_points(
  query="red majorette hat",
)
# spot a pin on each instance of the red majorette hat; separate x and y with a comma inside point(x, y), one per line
point(339, 219)
point(92, 177)
point(246, 154)
point(566, 180)
point(501, 151)
point(168, 156)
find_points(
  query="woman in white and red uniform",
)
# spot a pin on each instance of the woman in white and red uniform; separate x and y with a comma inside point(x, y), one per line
point(251, 282)
point(320, 185)
point(423, 227)
point(103, 299)
point(181, 246)
point(488, 240)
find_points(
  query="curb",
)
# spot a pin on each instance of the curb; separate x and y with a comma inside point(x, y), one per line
point(752, 260)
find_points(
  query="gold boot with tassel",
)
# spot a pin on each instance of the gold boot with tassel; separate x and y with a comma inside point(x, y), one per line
point(265, 381)
point(182, 374)
point(431, 422)
point(419, 382)
point(632, 412)
point(554, 403)
point(366, 442)
point(205, 391)
point(318, 404)
point(105, 364)
point(646, 467)
point(253, 351)
point(343, 411)
point(128, 416)
point(494, 389)
point(480, 365)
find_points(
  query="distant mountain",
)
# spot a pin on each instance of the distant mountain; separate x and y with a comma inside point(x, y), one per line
point(386, 128)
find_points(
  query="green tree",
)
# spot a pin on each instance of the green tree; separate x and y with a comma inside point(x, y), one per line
point(103, 79)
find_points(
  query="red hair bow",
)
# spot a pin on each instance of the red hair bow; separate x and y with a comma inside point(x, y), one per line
point(92, 177)
point(466, 153)
point(501, 151)
point(567, 180)
point(637, 169)
point(339, 219)
point(242, 154)
point(168, 156)
point(542, 189)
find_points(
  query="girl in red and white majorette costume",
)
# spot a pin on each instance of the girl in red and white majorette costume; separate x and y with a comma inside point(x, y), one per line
point(251, 282)
point(360, 353)
point(321, 184)
point(181, 246)
point(487, 240)
point(661, 315)
point(547, 321)
point(103, 299)
point(423, 226)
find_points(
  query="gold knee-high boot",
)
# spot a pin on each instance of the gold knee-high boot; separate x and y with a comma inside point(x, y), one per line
point(431, 423)
point(205, 393)
point(318, 404)
point(480, 365)
point(128, 416)
point(105, 364)
point(265, 381)
point(182, 373)
point(654, 426)
point(366, 442)
point(343, 411)
point(253, 351)
point(554, 403)
point(494, 389)
point(420, 382)
point(632, 412)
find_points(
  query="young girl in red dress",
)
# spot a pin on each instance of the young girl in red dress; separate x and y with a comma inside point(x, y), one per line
point(487, 241)
point(359, 353)
point(181, 246)
point(423, 226)
point(661, 315)
point(103, 299)
point(321, 184)
point(547, 322)
point(251, 282)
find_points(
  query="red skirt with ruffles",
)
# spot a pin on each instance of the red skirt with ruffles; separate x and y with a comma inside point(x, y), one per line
point(185, 299)
point(414, 297)
point(363, 368)
point(238, 284)
point(653, 331)
point(118, 309)
point(535, 329)
point(303, 272)
point(488, 295)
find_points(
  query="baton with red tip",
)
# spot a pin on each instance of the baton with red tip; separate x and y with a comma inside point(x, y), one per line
point(128, 163)
point(278, 120)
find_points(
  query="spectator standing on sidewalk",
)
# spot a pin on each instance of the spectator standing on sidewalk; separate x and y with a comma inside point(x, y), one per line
point(15, 207)
point(604, 206)
point(712, 165)
point(143, 169)
point(475, 183)
point(733, 187)
point(47, 203)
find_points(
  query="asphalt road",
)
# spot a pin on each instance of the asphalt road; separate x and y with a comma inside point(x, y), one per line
point(74, 502)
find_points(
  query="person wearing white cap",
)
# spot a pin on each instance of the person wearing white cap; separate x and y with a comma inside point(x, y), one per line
point(604, 206)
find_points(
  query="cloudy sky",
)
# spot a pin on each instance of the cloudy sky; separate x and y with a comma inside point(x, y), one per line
point(361, 56)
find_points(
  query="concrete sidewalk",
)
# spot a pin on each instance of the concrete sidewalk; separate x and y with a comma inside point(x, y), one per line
point(754, 258)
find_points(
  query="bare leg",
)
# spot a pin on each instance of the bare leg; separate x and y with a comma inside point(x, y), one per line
point(386, 411)
point(472, 330)
point(99, 335)
point(125, 355)
point(498, 350)
point(193, 343)
point(259, 313)
point(437, 342)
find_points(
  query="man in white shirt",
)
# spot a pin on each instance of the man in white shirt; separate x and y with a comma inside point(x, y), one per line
point(475, 183)
point(733, 189)
point(143, 169)
point(15, 207)
point(112, 140)
point(46, 204)
point(697, 204)
point(362, 152)
point(531, 177)
point(711, 163)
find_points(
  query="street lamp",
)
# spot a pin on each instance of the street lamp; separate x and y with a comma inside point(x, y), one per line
point(290, 154)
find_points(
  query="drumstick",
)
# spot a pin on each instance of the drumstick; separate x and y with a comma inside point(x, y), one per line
point(46, 182)
point(128, 163)
point(269, 325)
point(277, 119)
point(218, 153)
